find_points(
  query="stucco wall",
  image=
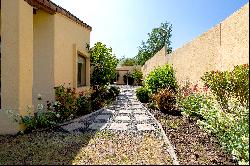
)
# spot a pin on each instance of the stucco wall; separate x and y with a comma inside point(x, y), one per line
point(220, 48)
point(44, 30)
point(70, 39)
point(57, 42)
point(16, 61)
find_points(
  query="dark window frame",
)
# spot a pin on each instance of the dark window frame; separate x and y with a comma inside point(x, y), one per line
point(81, 72)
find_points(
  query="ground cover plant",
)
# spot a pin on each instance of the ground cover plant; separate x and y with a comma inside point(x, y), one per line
point(68, 105)
point(220, 107)
point(137, 76)
point(225, 111)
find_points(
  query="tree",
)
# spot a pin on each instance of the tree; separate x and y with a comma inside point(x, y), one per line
point(158, 38)
point(104, 65)
point(128, 62)
point(137, 75)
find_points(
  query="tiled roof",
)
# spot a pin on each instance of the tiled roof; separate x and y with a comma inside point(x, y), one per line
point(53, 8)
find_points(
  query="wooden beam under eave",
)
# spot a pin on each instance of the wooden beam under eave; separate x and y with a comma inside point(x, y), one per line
point(47, 9)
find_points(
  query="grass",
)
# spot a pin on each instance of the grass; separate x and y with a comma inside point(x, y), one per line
point(84, 148)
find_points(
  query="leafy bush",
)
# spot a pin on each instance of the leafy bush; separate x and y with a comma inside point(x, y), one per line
point(231, 129)
point(114, 91)
point(98, 98)
point(240, 83)
point(160, 78)
point(143, 94)
point(103, 96)
point(225, 85)
point(137, 76)
point(165, 100)
point(192, 104)
point(84, 105)
point(66, 101)
point(104, 65)
point(40, 119)
point(68, 105)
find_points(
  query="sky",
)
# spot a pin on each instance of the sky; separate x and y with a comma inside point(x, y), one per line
point(124, 24)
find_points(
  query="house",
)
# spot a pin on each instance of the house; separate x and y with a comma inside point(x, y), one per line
point(42, 46)
point(124, 70)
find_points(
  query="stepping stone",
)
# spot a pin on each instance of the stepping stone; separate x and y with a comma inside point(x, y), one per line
point(73, 126)
point(103, 117)
point(119, 126)
point(145, 127)
point(97, 126)
point(108, 111)
point(136, 103)
point(137, 111)
point(125, 111)
point(122, 118)
point(141, 117)
point(137, 106)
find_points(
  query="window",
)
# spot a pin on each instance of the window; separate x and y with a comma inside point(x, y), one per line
point(81, 71)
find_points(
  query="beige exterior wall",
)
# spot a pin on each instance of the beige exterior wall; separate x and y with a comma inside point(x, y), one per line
point(57, 43)
point(44, 31)
point(16, 59)
point(39, 51)
point(220, 48)
point(124, 70)
point(70, 40)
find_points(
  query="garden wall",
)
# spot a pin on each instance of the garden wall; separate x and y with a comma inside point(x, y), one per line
point(220, 48)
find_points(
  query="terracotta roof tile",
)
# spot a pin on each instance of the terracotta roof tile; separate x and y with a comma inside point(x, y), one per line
point(53, 8)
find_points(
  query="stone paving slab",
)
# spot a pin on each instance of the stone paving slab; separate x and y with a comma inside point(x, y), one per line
point(145, 127)
point(122, 118)
point(138, 111)
point(119, 126)
point(125, 111)
point(142, 117)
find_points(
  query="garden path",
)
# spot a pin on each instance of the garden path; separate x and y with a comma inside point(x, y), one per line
point(125, 115)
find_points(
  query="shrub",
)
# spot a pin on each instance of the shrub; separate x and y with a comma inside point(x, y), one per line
point(143, 94)
point(84, 105)
point(98, 98)
point(103, 96)
point(66, 101)
point(137, 76)
point(165, 100)
point(225, 85)
point(240, 83)
point(160, 78)
point(231, 127)
point(192, 104)
point(40, 119)
point(114, 92)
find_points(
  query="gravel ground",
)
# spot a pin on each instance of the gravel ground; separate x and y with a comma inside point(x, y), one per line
point(85, 148)
point(77, 143)
point(193, 146)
